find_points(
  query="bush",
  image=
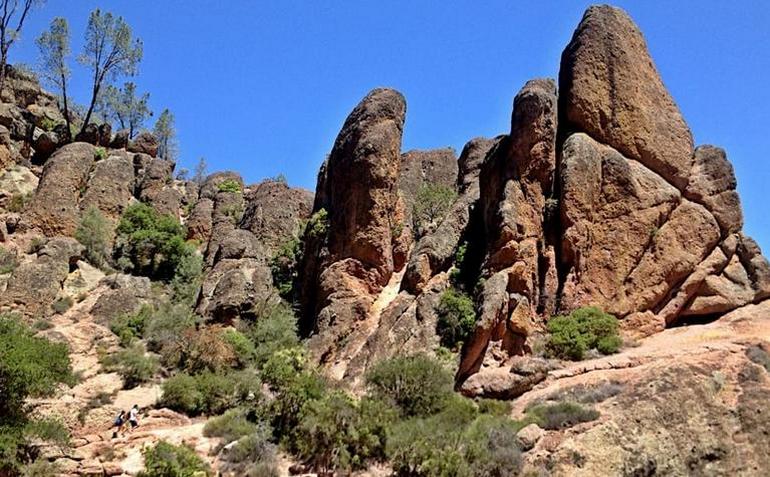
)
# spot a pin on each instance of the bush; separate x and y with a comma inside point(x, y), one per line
point(274, 330)
point(418, 385)
point(230, 426)
point(585, 328)
point(284, 268)
point(337, 433)
point(255, 448)
point(229, 185)
point(18, 202)
point(168, 460)
point(431, 205)
point(187, 279)
point(62, 304)
point(30, 367)
point(132, 364)
point(8, 261)
point(100, 154)
point(206, 349)
point(286, 410)
point(318, 225)
point(456, 318)
point(165, 331)
point(149, 243)
point(560, 415)
point(210, 393)
point(94, 232)
point(242, 347)
point(129, 327)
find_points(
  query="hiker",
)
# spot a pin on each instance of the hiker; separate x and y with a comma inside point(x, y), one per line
point(120, 421)
point(133, 417)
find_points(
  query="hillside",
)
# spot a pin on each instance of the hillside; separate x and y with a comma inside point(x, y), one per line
point(596, 202)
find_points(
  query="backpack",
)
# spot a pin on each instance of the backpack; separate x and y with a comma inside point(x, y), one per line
point(119, 420)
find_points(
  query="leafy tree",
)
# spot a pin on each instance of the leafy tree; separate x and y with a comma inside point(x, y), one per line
point(165, 131)
point(30, 367)
point(54, 45)
point(201, 171)
point(124, 106)
point(584, 329)
point(149, 243)
point(417, 384)
point(284, 266)
point(110, 51)
point(456, 318)
point(94, 233)
point(187, 278)
point(274, 329)
point(430, 206)
point(13, 13)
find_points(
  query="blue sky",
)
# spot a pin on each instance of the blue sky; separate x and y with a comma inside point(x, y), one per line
point(263, 87)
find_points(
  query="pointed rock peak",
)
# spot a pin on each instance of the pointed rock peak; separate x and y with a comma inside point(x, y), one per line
point(610, 89)
point(379, 104)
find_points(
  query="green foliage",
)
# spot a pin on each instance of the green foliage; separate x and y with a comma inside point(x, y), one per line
point(456, 318)
point(493, 407)
point(229, 185)
point(455, 442)
point(417, 385)
point(230, 426)
point(187, 279)
point(100, 154)
point(336, 433)
point(18, 202)
point(166, 331)
point(168, 460)
point(124, 106)
point(584, 329)
point(280, 178)
point(274, 330)
point(210, 393)
point(62, 304)
point(560, 415)
point(94, 233)
point(151, 244)
point(8, 261)
point(318, 225)
point(257, 449)
point(132, 364)
point(284, 266)
point(242, 347)
point(431, 205)
point(54, 47)
point(129, 327)
point(109, 51)
point(30, 367)
point(165, 131)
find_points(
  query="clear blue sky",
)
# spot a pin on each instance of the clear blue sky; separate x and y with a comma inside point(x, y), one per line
point(263, 87)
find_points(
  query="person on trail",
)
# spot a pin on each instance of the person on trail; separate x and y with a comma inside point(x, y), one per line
point(133, 417)
point(120, 421)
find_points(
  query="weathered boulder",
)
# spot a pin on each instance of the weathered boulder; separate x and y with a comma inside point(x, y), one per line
point(54, 208)
point(610, 89)
point(712, 184)
point(89, 134)
point(111, 186)
point(358, 189)
point(105, 135)
point(144, 143)
point(120, 141)
point(199, 223)
point(125, 295)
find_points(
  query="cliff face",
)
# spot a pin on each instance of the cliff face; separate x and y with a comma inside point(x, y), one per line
point(596, 196)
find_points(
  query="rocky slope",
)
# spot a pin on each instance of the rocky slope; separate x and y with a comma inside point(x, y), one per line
point(595, 196)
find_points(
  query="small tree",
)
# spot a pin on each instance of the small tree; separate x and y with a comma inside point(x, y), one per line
point(110, 51)
point(201, 171)
point(54, 45)
point(12, 16)
point(165, 131)
point(430, 206)
point(124, 106)
point(94, 233)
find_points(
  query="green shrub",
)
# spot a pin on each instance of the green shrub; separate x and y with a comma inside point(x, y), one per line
point(210, 393)
point(418, 385)
point(456, 318)
point(283, 367)
point(337, 433)
point(8, 261)
point(493, 407)
point(318, 225)
point(284, 266)
point(431, 205)
point(94, 232)
point(285, 411)
point(168, 460)
point(205, 349)
point(584, 329)
point(129, 327)
point(229, 185)
point(30, 367)
point(188, 276)
point(165, 331)
point(100, 154)
point(242, 347)
point(62, 304)
point(42, 325)
point(230, 426)
point(560, 415)
point(255, 448)
point(132, 364)
point(149, 243)
point(18, 202)
point(273, 330)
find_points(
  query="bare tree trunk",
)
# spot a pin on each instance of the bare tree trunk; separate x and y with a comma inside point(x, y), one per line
point(66, 108)
point(91, 107)
point(3, 73)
